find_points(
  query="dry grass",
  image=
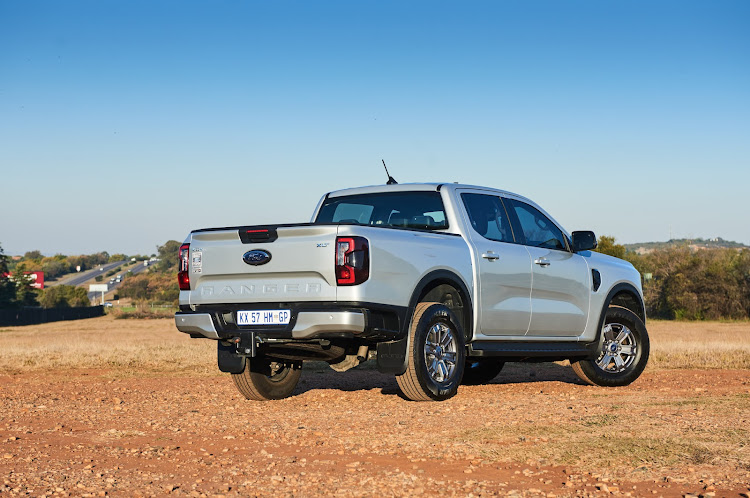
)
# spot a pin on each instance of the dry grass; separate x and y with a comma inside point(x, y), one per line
point(135, 346)
point(128, 347)
point(699, 344)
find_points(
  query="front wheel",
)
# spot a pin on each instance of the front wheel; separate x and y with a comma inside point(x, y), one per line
point(265, 379)
point(436, 354)
point(624, 352)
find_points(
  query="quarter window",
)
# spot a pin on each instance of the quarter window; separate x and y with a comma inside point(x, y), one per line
point(537, 228)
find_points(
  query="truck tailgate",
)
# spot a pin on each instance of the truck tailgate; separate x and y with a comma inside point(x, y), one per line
point(301, 266)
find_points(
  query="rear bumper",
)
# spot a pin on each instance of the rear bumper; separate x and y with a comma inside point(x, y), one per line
point(308, 325)
point(311, 324)
point(196, 324)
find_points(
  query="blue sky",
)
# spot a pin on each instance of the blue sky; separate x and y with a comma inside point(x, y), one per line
point(126, 124)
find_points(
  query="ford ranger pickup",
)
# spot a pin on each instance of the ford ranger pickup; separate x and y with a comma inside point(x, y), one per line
point(440, 284)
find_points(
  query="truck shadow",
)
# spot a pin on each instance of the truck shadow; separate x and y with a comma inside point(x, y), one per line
point(317, 375)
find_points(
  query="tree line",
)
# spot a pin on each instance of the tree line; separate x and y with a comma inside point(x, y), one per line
point(58, 265)
point(686, 284)
point(16, 290)
point(679, 282)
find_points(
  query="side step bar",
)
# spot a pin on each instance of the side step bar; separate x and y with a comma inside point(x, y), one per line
point(536, 349)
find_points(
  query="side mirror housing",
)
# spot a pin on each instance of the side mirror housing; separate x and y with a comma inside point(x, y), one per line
point(584, 240)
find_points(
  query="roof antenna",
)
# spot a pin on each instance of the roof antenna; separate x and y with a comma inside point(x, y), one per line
point(391, 181)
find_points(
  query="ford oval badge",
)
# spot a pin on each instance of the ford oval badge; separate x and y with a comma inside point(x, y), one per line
point(256, 257)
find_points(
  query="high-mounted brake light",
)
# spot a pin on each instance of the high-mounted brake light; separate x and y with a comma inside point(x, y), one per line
point(352, 260)
point(183, 267)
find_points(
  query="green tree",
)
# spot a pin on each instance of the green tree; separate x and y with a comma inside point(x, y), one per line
point(75, 261)
point(55, 267)
point(64, 296)
point(156, 287)
point(709, 284)
point(136, 288)
point(608, 246)
point(7, 286)
point(117, 257)
point(33, 256)
point(168, 256)
point(26, 295)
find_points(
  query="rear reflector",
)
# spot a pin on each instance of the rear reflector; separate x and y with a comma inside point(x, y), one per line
point(183, 267)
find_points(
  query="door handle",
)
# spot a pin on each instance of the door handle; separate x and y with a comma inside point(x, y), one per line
point(491, 256)
point(542, 261)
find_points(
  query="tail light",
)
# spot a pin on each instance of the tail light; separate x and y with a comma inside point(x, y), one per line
point(183, 267)
point(352, 260)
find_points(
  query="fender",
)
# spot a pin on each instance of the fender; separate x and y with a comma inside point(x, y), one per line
point(392, 356)
point(622, 286)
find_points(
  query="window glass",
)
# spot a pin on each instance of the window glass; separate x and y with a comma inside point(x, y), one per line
point(488, 217)
point(422, 210)
point(352, 213)
point(537, 228)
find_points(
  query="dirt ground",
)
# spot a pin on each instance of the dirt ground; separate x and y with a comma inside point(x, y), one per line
point(125, 430)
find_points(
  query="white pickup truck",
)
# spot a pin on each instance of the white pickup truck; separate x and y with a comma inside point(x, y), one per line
point(440, 283)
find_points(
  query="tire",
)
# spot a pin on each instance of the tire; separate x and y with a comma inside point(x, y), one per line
point(436, 354)
point(481, 371)
point(624, 353)
point(264, 379)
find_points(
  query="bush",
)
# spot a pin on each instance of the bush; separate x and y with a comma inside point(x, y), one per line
point(688, 284)
point(157, 288)
point(64, 296)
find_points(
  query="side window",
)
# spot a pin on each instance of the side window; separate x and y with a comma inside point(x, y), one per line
point(537, 228)
point(488, 217)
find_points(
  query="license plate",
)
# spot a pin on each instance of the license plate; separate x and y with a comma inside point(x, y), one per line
point(264, 317)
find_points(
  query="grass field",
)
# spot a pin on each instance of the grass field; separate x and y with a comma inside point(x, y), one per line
point(137, 346)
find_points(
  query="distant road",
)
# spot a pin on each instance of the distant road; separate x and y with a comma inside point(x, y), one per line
point(133, 271)
point(89, 274)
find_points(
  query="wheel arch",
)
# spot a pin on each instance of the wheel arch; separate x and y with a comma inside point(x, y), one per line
point(437, 286)
point(626, 296)
point(434, 286)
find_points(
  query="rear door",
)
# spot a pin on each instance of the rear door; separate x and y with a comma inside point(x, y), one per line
point(503, 267)
point(560, 290)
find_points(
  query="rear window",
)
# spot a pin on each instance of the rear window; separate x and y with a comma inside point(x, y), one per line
point(422, 210)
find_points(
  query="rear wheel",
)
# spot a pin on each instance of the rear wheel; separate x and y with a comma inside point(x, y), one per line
point(265, 379)
point(624, 352)
point(481, 371)
point(436, 354)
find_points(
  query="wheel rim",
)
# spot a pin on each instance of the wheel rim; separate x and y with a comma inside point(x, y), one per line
point(440, 352)
point(618, 350)
point(279, 371)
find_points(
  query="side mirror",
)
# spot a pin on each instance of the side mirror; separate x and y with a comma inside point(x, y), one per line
point(584, 240)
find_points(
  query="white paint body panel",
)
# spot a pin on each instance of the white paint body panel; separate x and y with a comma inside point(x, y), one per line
point(516, 298)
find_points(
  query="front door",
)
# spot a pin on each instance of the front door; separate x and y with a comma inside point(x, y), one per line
point(560, 291)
